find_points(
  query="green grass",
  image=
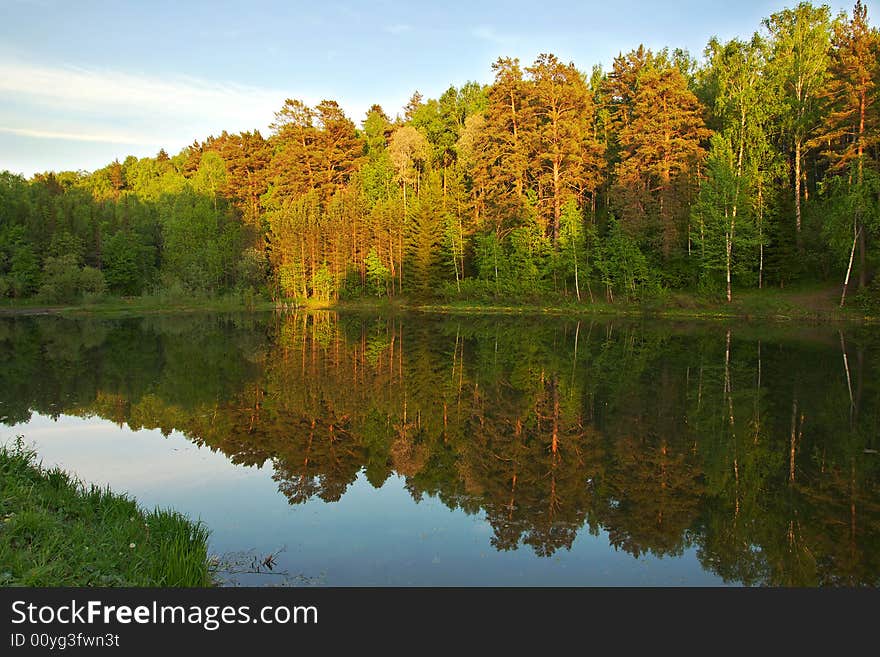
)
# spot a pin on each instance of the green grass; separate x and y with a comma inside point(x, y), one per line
point(124, 306)
point(809, 303)
point(384, 305)
point(56, 531)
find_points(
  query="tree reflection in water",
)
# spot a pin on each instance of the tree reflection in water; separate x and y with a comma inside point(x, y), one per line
point(754, 445)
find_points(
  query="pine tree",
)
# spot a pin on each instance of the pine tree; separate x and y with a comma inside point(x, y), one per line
point(660, 153)
point(337, 148)
point(852, 126)
point(424, 241)
point(294, 165)
point(564, 154)
point(500, 148)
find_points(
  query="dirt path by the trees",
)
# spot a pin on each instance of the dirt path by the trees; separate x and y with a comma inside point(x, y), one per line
point(821, 300)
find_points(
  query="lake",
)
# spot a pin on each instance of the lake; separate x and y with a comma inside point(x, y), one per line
point(326, 449)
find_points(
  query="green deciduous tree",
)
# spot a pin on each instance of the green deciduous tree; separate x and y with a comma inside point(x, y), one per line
point(799, 41)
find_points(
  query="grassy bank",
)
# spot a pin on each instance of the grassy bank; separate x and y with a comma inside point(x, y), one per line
point(56, 531)
point(804, 304)
point(145, 305)
point(809, 303)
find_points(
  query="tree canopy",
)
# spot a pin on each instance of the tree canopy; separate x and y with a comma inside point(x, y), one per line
point(740, 170)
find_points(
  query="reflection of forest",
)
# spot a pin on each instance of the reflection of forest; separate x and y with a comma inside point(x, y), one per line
point(759, 453)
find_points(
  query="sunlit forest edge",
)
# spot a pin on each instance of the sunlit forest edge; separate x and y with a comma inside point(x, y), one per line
point(746, 179)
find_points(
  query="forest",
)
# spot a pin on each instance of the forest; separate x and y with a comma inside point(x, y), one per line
point(757, 166)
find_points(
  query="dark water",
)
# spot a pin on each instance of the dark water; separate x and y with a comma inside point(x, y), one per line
point(393, 451)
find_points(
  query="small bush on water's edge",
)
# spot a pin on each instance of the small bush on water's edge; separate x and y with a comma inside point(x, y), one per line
point(56, 531)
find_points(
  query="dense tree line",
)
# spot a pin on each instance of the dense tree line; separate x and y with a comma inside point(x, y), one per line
point(757, 166)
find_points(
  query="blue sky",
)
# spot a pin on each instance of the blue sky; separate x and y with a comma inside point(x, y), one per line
point(82, 83)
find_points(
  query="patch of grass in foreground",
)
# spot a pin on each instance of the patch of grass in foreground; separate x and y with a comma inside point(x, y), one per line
point(56, 531)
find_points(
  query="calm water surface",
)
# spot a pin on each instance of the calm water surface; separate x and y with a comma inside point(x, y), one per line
point(362, 450)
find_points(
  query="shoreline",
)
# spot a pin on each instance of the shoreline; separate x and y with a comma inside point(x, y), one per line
point(56, 530)
point(772, 306)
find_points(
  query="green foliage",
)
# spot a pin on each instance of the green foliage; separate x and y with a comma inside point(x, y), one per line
point(23, 271)
point(490, 258)
point(66, 244)
point(868, 298)
point(200, 243)
point(322, 283)
point(721, 218)
point(528, 257)
point(797, 63)
point(64, 281)
point(520, 265)
point(210, 177)
point(19, 266)
point(509, 183)
point(378, 275)
point(623, 267)
point(251, 269)
point(60, 532)
point(471, 289)
point(292, 278)
point(849, 206)
point(424, 241)
point(128, 263)
point(92, 285)
point(571, 262)
point(377, 177)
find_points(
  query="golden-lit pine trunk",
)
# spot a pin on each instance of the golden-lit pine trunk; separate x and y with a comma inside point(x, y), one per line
point(863, 273)
point(557, 208)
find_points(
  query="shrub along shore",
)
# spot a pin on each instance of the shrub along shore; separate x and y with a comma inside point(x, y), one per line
point(57, 531)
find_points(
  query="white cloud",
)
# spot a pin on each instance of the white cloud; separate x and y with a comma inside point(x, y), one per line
point(106, 137)
point(71, 117)
point(92, 105)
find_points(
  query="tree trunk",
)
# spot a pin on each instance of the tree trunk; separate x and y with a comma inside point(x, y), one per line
point(495, 258)
point(461, 243)
point(519, 182)
point(400, 265)
point(849, 266)
point(728, 243)
point(863, 269)
point(391, 259)
point(797, 191)
point(455, 266)
point(557, 210)
point(760, 239)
